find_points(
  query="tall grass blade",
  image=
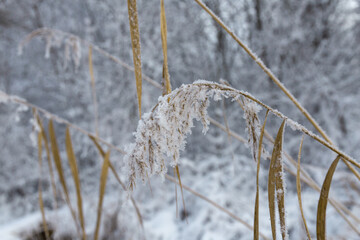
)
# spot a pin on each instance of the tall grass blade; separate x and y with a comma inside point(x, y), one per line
point(103, 178)
point(48, 158)
point(59, 168)
point(276, 182)
point(135, 41)
point(166, 76)
point(75, 174)
point(102, 153)
point(298, 189)
point(41, 202)
point(322, 204)
point(256, 212)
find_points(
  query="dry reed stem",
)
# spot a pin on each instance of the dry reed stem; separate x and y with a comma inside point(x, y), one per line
point(103, 178)
point(75, 175)
point(298, 189)
point(58, 164)
point(256, 212)
point(321, 210)
point(135, 42)
point(275, 184)
point(163, 26)
point(41, 202)
point(167, 88)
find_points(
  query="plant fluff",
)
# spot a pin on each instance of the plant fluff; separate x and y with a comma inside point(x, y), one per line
point(161, 133)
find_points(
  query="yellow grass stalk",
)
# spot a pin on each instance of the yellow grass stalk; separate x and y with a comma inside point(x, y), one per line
point(75, 174)
point(41, 203)
point(57, 160)
point(166, 76)
point(135, 41)
point(102, 153)
point(256, 212)
point(93, 89)
point(103, 178)
point(48, 158)
point(298, 188)
point(167, 86)
point(276, 182)
point(322, 204)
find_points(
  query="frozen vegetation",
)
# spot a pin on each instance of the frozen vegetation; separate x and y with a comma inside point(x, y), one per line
point(312, 46)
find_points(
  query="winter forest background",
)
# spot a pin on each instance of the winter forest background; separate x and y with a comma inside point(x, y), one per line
point(312, 46)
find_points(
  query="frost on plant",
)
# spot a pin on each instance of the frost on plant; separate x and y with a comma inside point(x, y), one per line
point(161, 133)
point(252, 124)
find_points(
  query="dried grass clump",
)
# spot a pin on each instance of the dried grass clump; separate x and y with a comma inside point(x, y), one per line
point(162, 132)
